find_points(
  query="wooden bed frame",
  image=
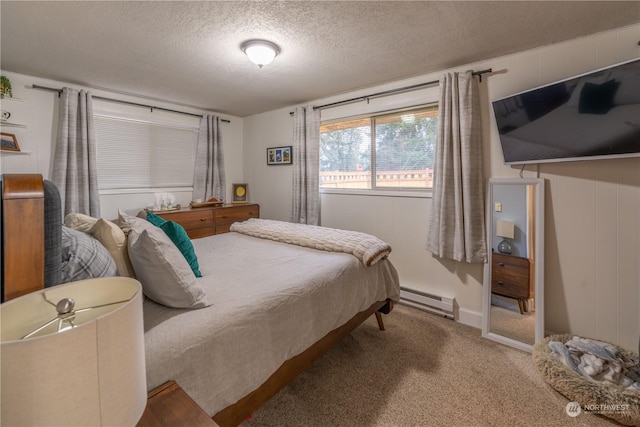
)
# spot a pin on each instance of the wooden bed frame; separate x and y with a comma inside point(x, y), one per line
point(23, 272)
point(22, 235)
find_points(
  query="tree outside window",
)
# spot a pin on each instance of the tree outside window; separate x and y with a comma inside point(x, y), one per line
point(390, 151)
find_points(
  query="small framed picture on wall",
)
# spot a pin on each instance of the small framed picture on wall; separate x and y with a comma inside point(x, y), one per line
point(9, 142)
point(239, 193)
point(279, 155)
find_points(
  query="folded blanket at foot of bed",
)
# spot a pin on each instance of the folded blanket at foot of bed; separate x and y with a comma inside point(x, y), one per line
point(367, 248)
point(597, 361)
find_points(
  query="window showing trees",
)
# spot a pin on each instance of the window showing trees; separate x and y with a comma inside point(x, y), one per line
point(390, 151)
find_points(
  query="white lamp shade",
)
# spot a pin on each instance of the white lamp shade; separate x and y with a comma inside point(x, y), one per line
point(260, 52)
point(504, 229)
point(90, 375)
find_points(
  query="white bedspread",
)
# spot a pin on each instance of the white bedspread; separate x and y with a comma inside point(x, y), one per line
point(271, 301)
point(367, 248)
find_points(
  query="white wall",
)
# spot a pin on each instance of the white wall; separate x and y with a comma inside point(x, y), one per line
point(38, 109)
point(592, 233)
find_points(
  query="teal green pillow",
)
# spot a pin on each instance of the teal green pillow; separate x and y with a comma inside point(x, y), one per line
point(179, 237)
point(155, 219)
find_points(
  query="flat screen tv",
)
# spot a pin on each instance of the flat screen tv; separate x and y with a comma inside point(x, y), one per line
point(591, 116)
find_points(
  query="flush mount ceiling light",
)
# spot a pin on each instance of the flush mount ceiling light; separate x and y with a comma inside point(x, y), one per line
point(260, 52)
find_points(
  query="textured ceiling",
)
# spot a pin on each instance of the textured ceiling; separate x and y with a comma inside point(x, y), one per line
point(188, 52)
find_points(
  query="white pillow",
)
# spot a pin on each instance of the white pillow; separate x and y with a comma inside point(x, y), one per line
point(161, 268)
point(80, 222)
point(114, 239)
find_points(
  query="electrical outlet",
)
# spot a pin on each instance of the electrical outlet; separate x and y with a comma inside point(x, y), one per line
point(498, 207)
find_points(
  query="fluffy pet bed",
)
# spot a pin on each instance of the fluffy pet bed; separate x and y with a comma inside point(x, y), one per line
point(579, 389)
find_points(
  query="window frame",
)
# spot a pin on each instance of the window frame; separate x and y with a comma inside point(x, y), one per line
point(408, 192)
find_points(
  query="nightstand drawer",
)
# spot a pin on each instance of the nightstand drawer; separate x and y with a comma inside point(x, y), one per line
point(510, 265)
point(514, 287)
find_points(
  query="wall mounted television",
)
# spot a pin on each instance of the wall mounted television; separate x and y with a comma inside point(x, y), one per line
point(590, 116)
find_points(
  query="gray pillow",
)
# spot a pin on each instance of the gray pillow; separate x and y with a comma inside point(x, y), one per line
point(83, 257)
point(161, 268)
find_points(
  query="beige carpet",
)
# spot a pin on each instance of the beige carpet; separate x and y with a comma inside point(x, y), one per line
point(424, 370)
point(512, 324)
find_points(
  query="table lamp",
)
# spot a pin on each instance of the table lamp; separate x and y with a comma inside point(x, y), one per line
point(73, 355)
point(504, 229)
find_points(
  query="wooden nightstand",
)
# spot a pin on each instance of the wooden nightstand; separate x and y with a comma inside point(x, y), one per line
point(170, 406)
point(207, 221)
point(510, 278)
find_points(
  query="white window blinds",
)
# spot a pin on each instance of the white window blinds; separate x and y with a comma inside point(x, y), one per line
point(135, 154)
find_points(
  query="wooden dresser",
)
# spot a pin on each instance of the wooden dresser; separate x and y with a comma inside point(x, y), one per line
point(207, 221)
point(510, 277)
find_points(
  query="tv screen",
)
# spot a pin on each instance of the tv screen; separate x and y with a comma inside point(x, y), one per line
point(591, 116)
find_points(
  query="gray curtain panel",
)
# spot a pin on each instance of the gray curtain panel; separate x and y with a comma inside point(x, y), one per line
point(457, 226)
point(306, 165)
point(208, 174)
point(74, 162)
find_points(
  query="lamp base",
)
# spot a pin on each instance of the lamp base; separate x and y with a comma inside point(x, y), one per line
point(505, 247)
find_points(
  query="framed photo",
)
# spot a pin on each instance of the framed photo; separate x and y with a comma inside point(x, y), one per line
point(239, 193)
point(279, 155)
point(8, 142)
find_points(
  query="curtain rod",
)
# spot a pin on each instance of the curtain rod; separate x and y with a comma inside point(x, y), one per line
point(391, 92)
point(102, 98)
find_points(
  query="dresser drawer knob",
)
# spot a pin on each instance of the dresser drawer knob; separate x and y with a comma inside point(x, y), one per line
point(203, 219)
point(500, 282)
point(501, 264)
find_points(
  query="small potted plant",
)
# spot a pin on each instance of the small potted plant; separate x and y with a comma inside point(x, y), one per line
point(5, 87)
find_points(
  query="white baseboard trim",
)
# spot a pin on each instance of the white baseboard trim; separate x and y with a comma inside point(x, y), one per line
point(469, 318)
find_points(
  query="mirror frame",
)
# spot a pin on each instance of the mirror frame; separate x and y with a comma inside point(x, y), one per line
point(538, 184)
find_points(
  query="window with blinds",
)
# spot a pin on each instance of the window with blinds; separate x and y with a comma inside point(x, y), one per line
point(135, 154)
point(389, 151)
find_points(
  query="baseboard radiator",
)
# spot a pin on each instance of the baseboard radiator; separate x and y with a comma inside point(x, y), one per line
point(442, 306)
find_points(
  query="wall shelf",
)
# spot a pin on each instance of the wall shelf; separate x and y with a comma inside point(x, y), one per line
point(3, 152)
point(9, 124)
point(11, 98)
point(12, 125)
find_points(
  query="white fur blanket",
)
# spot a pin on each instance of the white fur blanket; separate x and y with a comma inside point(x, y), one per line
point(367, 248)
point(597, 361)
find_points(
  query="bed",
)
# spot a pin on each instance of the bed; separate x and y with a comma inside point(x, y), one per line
point(274, 309)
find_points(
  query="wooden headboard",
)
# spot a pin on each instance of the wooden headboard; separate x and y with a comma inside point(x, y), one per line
point(23, 250)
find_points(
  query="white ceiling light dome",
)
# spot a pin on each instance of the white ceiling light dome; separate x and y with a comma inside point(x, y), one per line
point(260, 52)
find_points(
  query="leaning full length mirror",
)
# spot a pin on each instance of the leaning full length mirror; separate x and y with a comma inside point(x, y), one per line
point(514, 274)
